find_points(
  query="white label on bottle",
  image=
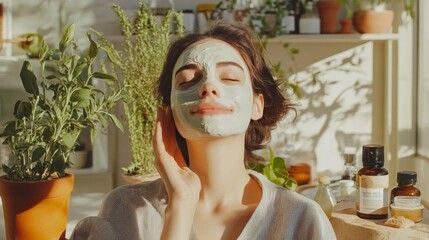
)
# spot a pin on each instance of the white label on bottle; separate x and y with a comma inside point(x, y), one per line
point(372, 196)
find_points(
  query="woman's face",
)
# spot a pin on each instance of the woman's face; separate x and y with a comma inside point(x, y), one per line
point(212, 91)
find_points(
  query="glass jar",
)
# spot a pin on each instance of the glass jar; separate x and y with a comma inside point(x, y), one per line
point(310, 21)
point(324, 196)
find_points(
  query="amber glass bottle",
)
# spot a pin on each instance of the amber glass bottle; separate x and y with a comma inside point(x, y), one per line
point(406, 181)
point(372, 184)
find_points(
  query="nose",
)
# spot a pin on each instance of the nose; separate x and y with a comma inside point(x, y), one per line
point(208, 89)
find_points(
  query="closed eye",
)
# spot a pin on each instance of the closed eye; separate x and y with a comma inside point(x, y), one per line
point(188, 78)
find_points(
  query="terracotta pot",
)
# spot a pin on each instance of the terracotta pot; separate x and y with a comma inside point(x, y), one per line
point(37, 209)
point(346, 26)
point(372, 21)
point(328, 13)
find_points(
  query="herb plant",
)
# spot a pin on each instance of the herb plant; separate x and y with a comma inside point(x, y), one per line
point(139, 63)
point(46, 126)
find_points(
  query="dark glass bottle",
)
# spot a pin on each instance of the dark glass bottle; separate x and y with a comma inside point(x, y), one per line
point(372, 184)
point(406, 181)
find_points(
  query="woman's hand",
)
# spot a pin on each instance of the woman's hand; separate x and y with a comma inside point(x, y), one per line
point(183, 186)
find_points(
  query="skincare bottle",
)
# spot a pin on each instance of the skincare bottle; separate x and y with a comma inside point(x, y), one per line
point(405, 198)
point(372, 182)
point(349, 165)
point(324, 196)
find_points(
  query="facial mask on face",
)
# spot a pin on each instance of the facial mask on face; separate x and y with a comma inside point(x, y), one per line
point(238, 97)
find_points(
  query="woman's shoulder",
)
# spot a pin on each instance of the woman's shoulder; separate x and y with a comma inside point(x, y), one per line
point(280, 194)
point(151, 191)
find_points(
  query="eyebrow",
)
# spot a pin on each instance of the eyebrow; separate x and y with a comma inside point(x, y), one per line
point(219, 64)
point(187, 66)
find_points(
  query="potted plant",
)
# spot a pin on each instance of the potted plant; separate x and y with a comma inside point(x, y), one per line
point(371, 16)
point(139, 62)
point(35, 189)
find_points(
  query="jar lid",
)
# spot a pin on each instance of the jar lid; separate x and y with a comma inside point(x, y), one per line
point(406, 177)
point(347, 183)
point(406, 201)
point(418, 207)
point(373, 154)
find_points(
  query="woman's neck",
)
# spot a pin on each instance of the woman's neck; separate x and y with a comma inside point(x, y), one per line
point(219, 163)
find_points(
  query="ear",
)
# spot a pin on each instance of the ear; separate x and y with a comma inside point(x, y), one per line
point(258, 107)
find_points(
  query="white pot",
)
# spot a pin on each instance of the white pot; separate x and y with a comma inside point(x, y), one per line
point(78, 159)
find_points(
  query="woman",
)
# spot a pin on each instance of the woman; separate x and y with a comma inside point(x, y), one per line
point(219, 94)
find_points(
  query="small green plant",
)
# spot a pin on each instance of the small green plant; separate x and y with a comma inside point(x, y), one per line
point(46, 127)
point(275, 170)
point(139, 63)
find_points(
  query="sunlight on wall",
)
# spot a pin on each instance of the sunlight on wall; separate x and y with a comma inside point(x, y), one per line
point(336, 104)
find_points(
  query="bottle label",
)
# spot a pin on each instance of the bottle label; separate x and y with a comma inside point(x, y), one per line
point(372, 196)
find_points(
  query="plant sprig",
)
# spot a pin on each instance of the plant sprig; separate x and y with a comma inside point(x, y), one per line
point(275, 170)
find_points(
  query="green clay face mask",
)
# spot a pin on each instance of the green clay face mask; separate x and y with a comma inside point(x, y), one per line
point(212, 93)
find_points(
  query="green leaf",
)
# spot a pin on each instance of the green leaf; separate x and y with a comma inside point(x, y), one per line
point(93, 48)
point(37, 153)
point(102, 120)
point(69, 139)
point(291, 184)
point(93, 133)
point(43, 50)
point(28, 78)
point(269, 173)
point(66, 38)
point(79, 68)
point(101, 75)
point(271, 159)
point(22, 109)
point(57, 113)
point(83, 104)
point(113, 55)
point(9, 129)
point(115, 121)
point(294, 51)
point(5, 168)
point(279, 166)
point(53, 56)
point(81, 95)
point(58, 164)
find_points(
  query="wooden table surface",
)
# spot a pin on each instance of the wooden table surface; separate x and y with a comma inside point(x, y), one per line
point(348, 226)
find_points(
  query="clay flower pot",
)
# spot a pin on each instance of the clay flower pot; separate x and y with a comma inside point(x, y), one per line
point(36, 209)
point(328, 14)
point(372, 21)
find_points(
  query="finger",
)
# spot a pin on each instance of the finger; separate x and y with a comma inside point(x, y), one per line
point(178, 156)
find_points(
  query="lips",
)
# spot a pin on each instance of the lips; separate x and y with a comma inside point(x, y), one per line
point(210, 109)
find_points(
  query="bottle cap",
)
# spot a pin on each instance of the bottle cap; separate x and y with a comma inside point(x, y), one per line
point(324, 180)
point(373, 155)
point(406, 177)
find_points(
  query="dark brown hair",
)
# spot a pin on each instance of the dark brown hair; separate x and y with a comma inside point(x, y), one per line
point(277, 105)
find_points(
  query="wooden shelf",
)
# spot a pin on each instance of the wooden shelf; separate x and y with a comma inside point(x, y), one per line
point(333, 38)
